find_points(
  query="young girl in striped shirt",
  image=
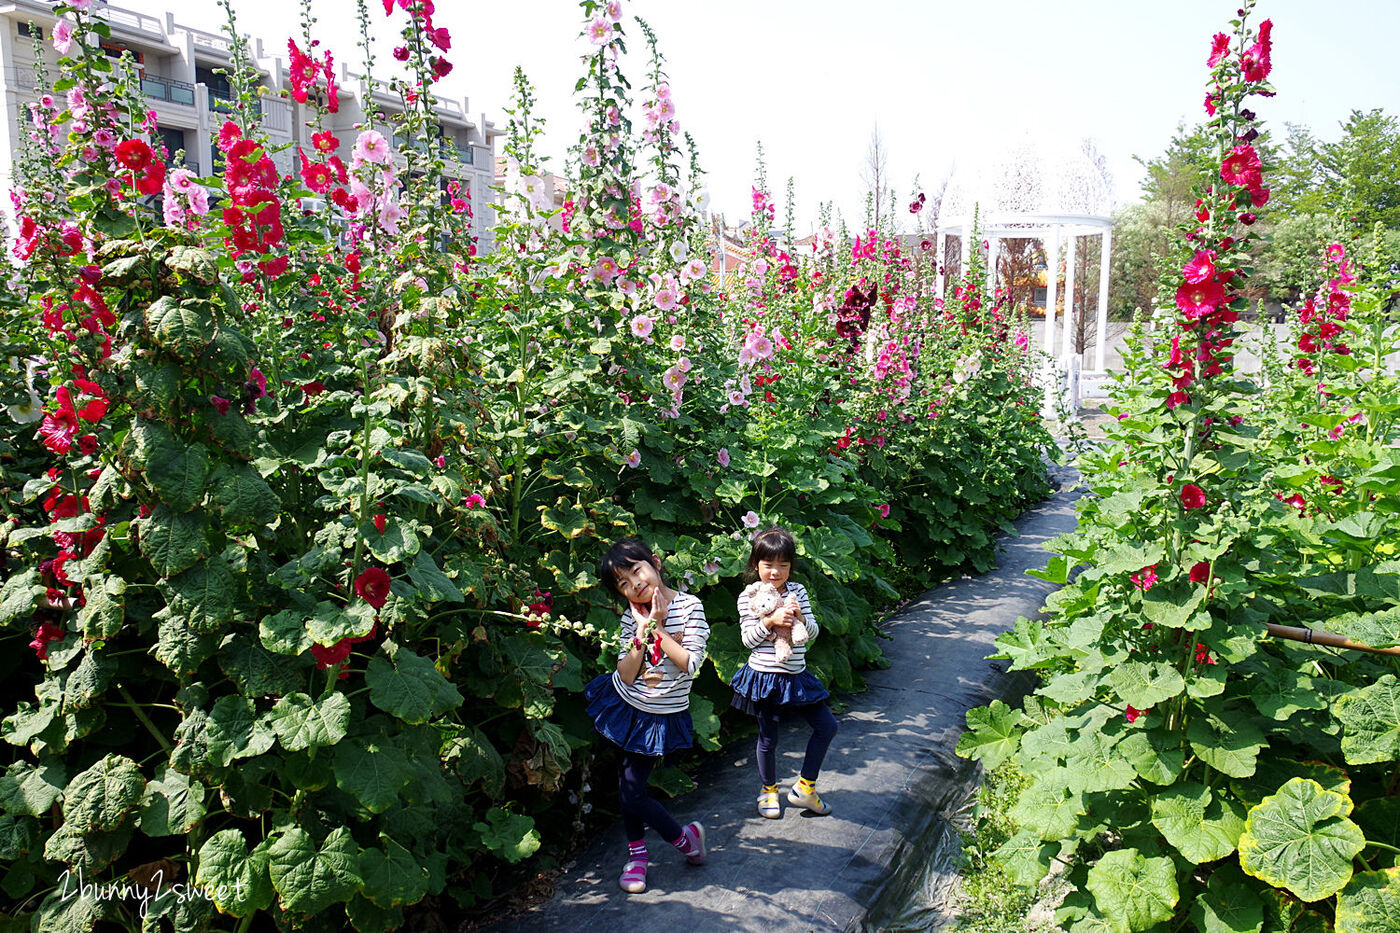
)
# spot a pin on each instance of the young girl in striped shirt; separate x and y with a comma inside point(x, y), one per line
point(643, 707)
point(771, 689)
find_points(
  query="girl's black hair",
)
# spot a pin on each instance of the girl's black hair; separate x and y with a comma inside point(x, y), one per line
point(771, 544)
point(625, 553)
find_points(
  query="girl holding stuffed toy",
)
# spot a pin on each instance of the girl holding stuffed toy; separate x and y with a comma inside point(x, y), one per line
point(643, 707)
point(774, 683)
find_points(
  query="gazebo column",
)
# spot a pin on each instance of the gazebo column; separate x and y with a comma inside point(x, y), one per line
point(965, 260)
point(993, 254)
point(1067, 346)
point(1105, 252)
point(1052, 286)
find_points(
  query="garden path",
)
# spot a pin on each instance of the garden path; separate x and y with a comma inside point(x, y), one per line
point(891, 777)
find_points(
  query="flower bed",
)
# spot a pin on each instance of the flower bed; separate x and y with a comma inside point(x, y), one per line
point(302, 514)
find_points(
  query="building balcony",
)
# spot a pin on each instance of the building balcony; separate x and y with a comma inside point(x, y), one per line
point(159, 87)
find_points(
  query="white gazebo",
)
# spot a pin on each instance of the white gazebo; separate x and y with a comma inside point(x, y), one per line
point(1037, 190)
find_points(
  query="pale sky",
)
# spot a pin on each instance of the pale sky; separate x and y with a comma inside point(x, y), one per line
point(943, 79)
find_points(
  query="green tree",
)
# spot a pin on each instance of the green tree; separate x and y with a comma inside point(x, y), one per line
point(1360, 173)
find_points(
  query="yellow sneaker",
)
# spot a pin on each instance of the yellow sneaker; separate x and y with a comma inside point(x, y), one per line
point(768, 805)
point(808, 800)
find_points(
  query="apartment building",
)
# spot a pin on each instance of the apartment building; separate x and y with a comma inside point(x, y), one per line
point(178, 68)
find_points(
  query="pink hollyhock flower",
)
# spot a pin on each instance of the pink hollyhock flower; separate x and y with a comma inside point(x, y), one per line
point(599, 30)
point(750, 519)
point(62, 36)
point(678, 342)
point(1192, 496)
point(665, 299)
point(634, 459)
point(613, 10)
point(884, 508)
point(1219, 46)
point(373, 586)
point(1200, 268)
point(1145, 578)
point(475, 501)
point(760, 346)
point(372, 147)
point(723, 456)
point(59, 427)
point(684, 364)
point(1200, 298)
point(673, 379)
point(642, 326)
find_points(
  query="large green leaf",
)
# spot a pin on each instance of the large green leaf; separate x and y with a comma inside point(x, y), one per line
point(182, 328)
point(433, 585)
point(236, 879)
point(1133, 890)
point(1026, 857)
point(18, 596)
point(172, 804)
point(1201, 828)
point(512, 836)
point(392, 876)
point(301, 722)
point(310, 878)
point(397, 542)
point(1281, 691)
point(476, 759)
point(993, 734)
point(1144, 684)
point(1370, 903)
point(1228, 905)
point(204, 595)
point(237, 730)
point(373, 771)
point(285, 633)
point(257, 671)
point(1048, 806)
point(18, 835)
point(59, 914)
point(101, 618)
point(242, 496)
point(1155, 754)
point(408, 686)
point(180, 474)
point(1301, 839)
point(174, 541)
point(329, 623)
point(101, 797)
point(1226, 740)
point(1093, 763)
point(30, 790)
point(179, 647)
point(1370, 718)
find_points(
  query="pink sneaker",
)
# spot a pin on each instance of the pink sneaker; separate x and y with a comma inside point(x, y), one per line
point(695, 838)
point(634, 877)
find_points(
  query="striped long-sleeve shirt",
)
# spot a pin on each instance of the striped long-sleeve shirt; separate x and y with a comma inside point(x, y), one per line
point(759, 641)
point(685, 621)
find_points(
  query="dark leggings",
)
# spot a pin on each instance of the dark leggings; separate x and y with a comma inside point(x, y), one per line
point(823, 731)
point(639, 809)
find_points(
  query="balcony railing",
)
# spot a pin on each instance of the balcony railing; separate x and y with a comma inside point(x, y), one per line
point(163, 88)
point(119, 16)
point(209, 40)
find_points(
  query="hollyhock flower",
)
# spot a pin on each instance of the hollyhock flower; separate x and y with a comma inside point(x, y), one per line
point(59, 427)
point(1219, 47)
point(665, 300)
point(1200, 571)
point(441, 38)
point(371, 146)
point(380, 522)
point(1145, 578)
point(684, 364)
point(134, 154)
point(229, 134)
point(884, 509)
point(750, 519)
point(634, 459)
point(1178, 398)
point(220, 404)
point(458, 205)
point(673, 379)
point(599, 30)
point(62, 36)
point(441, 462)
point(1255, 62)
point(475, 501)
point(325, 141)
point(613, 10)
point(642, 326)
point(1195, 300)
point(1192, 496)
point(47, 632)
point(1200, 268)
point(373, 586)
point(760, 346)
point(737, 398)
point(331, 655)
point(723, 456)
point(1297, 501)
point(1242, 167)
point(1132, 713)
point(441, 67)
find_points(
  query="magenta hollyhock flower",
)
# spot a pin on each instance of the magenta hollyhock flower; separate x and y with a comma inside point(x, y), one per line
point(1242, 166)
point(1145, 578)
point(1219, 46)
point(373, 586)
point(1178, 398)
point(1192, 496)
point(1197, 299)
point(1132, 713)
point(220, 404)
point(1256, 61)
point(475, 501)
point(723, 456)
point(1201, 267)
point(884, 508)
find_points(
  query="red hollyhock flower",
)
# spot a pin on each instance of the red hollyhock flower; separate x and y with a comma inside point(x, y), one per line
point(47, 632)
point(1192, 496)
point(1198, 299)
point(314, 388)
point(329, 656)
point(441, 38)
point(1256, 60)
point(441, 67)
point(1242, 167)
point(1201, 267)
point(325, 141)
point(373, 586)
point(1200, 572)
point(229, 134)
point(1219, 46)
point(1178, 398)
point(1132, 713)
point(380, 522)
point(401, 53)
point(59, 427)
point(153, 182)
point(134, 154)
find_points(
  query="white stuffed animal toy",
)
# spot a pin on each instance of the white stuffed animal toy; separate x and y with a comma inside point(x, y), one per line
point(765, 601)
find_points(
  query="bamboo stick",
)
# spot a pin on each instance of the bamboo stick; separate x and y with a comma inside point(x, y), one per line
point(1318, 637)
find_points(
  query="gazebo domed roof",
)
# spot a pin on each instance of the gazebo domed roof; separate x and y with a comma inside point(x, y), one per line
point(1030, 176)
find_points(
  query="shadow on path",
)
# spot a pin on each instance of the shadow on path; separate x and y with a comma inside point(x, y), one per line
point(891, 777)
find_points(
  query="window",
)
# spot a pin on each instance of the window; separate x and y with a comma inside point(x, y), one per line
point(30, 31)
